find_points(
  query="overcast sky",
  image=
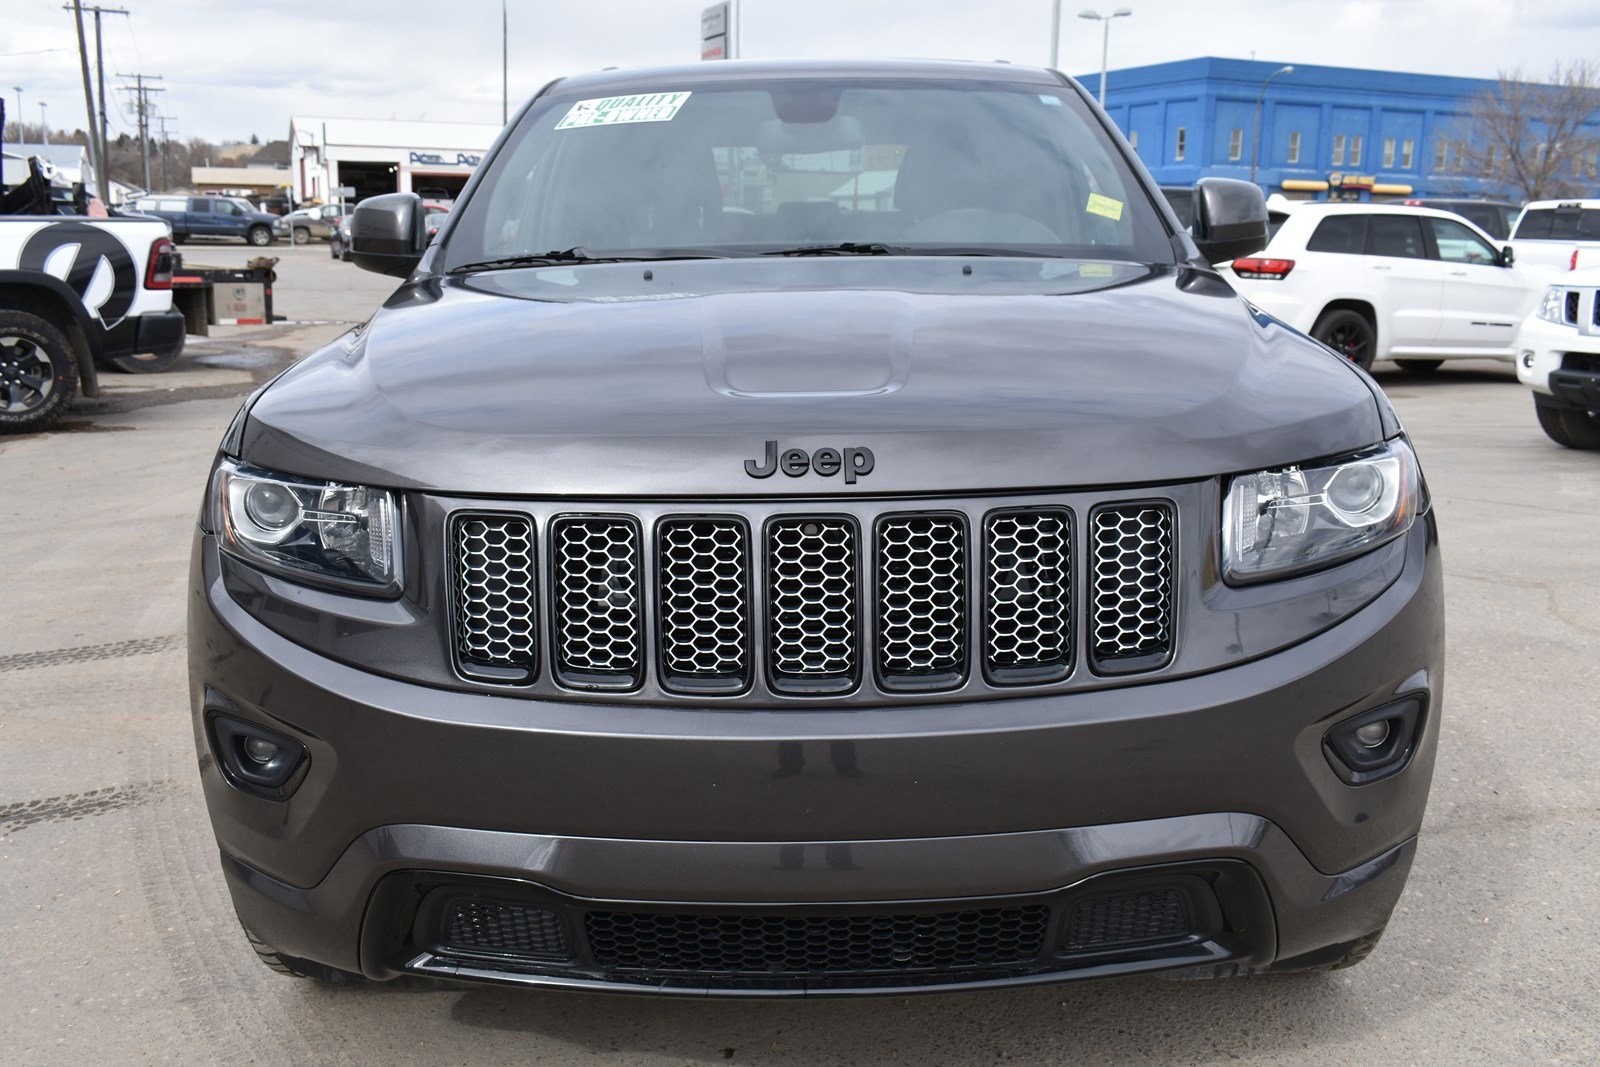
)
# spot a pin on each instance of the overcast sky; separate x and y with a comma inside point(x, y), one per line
point(236, 68)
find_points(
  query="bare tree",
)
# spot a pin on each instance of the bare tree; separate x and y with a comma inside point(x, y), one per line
point(1537, 140)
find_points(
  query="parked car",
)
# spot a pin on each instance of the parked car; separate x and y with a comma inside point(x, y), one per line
point(76, 292)
point(1181, 198)
point(318, 222)
point(1553, 236)
point(1493, 217)
point(1558, 357)
point(805, 599)
point(433, 222)
point(213, 216)
point(1375, 281)
point(339, 243)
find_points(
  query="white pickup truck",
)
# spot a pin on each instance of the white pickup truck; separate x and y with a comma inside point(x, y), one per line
point(75, 293)
point(1558, 357)
point(1555, 236)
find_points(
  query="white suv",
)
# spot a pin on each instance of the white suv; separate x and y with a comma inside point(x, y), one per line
point(1558, 354)
point(1374, 281)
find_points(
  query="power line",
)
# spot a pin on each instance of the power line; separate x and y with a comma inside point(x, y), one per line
point(140, 93)
point(104, 166)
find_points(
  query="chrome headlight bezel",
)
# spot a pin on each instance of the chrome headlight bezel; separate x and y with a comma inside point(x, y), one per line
point(1293, 520)
point(1553, 305)
point(332, 534)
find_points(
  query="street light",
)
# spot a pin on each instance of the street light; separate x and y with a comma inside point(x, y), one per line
point(18, 88)
point(1055, 34)
point(1255, 143)
point(1105, 39)
point(44, 129)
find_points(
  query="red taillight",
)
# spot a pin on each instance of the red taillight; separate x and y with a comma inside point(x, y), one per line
point(1254, 267)
point(158, 271)
point(1573, 264)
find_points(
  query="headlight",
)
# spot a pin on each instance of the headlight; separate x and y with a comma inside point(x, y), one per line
point(1553, 305)
point(342, 533)
point(1278, 522)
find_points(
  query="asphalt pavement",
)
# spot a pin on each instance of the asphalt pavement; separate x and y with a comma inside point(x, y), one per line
point(119, 944)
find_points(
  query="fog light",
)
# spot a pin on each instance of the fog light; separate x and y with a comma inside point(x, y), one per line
point(1374, 733)
point(260, 750)
point(1527, 360)
point(1376, 743)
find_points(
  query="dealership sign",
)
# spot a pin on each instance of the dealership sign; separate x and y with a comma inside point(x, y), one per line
point(446, 159)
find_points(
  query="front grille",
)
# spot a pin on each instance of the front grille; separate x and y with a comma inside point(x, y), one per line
point(505, 928)
point(812, 604)
point(1131, 599)
point(598, 619)
point(1571, 308)
point(494, 586)
point(776, 602)
point(1105, 922)
point(1582, 362)
point(922, 582)
point(816, 945)
point(704, 589)
point(1028, 595)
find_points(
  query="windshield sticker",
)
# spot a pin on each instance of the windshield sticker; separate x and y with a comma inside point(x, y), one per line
point(1105, 207)
point(1095, 270)
point(613, 110)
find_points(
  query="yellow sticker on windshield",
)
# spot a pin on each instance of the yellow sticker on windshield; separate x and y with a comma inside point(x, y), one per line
point(1105, 207)
point(1095, 270)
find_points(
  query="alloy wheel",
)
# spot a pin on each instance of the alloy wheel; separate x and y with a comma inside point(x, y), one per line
point(26, 376)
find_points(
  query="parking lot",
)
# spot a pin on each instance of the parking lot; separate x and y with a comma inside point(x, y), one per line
point(120, 944)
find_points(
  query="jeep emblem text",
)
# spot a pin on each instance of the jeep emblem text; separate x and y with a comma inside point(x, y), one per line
point(855, 462)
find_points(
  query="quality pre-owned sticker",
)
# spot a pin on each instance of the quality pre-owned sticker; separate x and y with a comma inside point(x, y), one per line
point(612, 110)
point(1105, 206)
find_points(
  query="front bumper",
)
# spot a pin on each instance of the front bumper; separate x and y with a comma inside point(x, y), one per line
point(1542, 348)
point(1221, 775)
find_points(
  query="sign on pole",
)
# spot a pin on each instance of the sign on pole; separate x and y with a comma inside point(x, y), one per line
point(715, 22)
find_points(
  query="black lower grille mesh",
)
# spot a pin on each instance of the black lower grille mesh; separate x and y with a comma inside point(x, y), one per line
point(1103, 922)
point(505, 928)
point(816, 945)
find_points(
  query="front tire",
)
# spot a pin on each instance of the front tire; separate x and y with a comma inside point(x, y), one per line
point(1420, 366)
point(259, 236)
point(1348, 333)
point(1569, 427)
point(302, 235)
point(38, 372)
point(144, 362)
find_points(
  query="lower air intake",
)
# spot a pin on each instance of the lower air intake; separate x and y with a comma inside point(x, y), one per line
point(504, 928)
point(1108, 922)
point(816, 945)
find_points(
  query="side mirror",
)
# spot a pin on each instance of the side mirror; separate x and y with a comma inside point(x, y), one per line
point(387, 234)
point(1508, 258)
point(1230, 219)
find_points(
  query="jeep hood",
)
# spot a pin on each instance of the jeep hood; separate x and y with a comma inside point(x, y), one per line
point(466, 388)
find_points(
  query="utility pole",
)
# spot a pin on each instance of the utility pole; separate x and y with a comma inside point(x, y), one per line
point(141, 93)
point(19, 119)
point(166, 139)
point(103, 166)
point(44, 127)
point(1055, 35)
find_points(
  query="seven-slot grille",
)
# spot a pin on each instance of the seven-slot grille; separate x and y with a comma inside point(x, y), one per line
point(909, 608)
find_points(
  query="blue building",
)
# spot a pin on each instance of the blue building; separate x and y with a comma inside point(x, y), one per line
point(1326, 132)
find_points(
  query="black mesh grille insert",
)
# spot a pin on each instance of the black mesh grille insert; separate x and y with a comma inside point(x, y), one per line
point(811, 601)
point(705, 601)
point(597, 600)
point(505, 928)
point(1572, 306)
point(819, 945)
point(922, 580)
point(1028, 595)
point(494, 575)
point(1154, 915)
point(1132, 575)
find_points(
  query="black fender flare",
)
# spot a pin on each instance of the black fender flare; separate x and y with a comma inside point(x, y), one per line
point(83, 329)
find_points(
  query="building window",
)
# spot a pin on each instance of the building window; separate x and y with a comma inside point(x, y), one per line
point(1338, 149)
point(1235, 145)
point(1133, 140)
point(1183, 144)
point(1388, 153)
point(1441, 155)
point(1294, 146)
point(1407, 153)
point(1355, 150)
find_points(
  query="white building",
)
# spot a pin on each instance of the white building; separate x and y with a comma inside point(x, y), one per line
point(376, 156)
point(64, 164)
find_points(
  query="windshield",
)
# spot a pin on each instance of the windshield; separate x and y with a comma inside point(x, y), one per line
point(741, 168)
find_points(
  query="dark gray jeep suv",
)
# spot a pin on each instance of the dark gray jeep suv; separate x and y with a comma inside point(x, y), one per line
point(815, 528)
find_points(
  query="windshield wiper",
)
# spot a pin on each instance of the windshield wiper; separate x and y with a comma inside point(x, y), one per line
point(575, 254)
point(847, 248)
